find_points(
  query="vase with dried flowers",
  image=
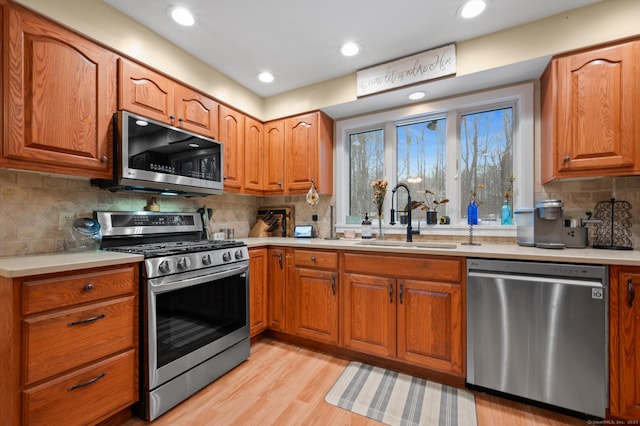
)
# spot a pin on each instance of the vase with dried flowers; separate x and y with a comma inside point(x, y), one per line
point(379, 191)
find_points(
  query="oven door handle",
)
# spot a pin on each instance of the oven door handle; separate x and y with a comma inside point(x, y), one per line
point(174, 282)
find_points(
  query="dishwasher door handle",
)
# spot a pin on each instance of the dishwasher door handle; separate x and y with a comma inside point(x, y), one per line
point(535, 278)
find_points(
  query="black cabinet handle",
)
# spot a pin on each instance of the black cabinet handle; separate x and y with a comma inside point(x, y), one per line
point(280, 260)
point(88, 287)
point(87, 383)
point(333, 285)
point(88, 320)
point(390, 293)
point(401, 293)
point(632, 292)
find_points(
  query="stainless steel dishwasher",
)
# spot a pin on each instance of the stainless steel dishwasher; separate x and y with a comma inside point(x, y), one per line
point(539, 331)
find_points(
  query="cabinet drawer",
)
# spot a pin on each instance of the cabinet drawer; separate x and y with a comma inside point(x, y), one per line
point(83, 396)
point(441, 269)
point(41, 295)
point(316, 259)
point(58, 342)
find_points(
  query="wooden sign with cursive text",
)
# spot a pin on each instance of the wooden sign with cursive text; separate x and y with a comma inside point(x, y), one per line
point(423, 66)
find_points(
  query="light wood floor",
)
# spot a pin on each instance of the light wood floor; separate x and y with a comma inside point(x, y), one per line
point(283, 384)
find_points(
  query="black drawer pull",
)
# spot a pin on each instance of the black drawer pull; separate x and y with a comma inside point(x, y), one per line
point(88, 287)
point(88, 320)
point(632, 292)
point(87, 383)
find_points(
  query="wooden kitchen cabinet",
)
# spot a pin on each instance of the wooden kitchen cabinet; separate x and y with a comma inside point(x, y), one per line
point(254, 156)
point(232, 128)
point(59, 98)
point(274, 149)
point(413, 311)
point(314, 295)
point(69, 345)
point(152, 95)
point(258, 296)
point(624, 336)
point(277, 276)
point(589, 113)
point(308, 153)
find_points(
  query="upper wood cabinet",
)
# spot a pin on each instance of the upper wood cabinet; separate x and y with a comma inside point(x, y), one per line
point(254, 154)
point(590, 103)
point(59, 98)
point(624, 336)
point(273, 183)
point(152, 95)
point(231, 135)
point(308, 153)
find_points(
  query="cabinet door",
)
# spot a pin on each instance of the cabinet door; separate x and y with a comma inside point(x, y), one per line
point(301, 139)
point(232, 136)
point(277, 279)
point(624, 343)
point(59, 100)
point(146, 92)
point(596, 104)
point(254, 154)
point(258, 309)
point(274, 157)
point(430, 325)
point(315, 303)
point(369, 314)
point(196, 112)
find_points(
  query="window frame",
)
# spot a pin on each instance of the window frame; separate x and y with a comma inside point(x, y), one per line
point(520, 96)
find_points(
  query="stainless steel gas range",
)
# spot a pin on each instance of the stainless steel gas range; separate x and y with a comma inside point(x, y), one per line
point(194, 294)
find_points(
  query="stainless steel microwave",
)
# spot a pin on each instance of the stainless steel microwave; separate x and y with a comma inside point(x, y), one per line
point(150, 156)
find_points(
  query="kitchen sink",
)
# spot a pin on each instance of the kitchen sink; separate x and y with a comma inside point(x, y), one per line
point(416, 244)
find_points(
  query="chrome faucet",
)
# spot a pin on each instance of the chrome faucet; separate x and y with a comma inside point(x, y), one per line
point(393, 212)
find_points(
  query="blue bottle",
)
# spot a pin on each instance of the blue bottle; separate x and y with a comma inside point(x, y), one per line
point(472, 213)
point(505, 214)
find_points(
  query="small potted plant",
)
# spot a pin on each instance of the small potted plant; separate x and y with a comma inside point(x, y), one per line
point(430, 205)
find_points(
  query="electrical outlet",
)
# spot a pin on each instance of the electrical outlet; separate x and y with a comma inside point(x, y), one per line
point(65, 220)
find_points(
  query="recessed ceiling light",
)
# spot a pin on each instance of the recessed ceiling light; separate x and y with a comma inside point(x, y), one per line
point(472, 8)
point(416, 95)
point(181, 15)
point(350, 48)
point(265, 77)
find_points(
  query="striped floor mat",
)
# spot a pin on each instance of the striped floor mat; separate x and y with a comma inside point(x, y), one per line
point(399, 399)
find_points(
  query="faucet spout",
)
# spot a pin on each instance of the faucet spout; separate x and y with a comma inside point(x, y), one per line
point(393, 212)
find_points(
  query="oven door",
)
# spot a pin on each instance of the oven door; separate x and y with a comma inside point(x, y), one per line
point(192, 317)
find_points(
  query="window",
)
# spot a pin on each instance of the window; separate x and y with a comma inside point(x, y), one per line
point(443, 151)
point(366, 161)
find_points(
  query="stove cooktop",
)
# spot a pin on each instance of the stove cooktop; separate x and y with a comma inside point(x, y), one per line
point(175, 247)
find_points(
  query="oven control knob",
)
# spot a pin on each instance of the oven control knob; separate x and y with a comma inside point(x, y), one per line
point(183, 263)
point(164, 267)
point(206, 259)
point(238, 254)
point(226, 256)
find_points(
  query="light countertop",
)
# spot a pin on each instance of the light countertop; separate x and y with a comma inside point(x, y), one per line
point(21, 266)
point(35, 264)
point(498, 251)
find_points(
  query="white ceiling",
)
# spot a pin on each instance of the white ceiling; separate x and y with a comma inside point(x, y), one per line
point(298, 40)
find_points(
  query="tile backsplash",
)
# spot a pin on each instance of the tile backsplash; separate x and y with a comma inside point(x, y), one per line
point(31, 204)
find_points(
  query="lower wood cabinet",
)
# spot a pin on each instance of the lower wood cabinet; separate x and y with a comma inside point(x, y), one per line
point(407, 308)
point(277, 276)
point(69, 344)
point(258, 298)
point(314, 294)
point(624, 335)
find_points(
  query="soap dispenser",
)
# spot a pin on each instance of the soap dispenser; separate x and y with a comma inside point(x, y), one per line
point(365, 232)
